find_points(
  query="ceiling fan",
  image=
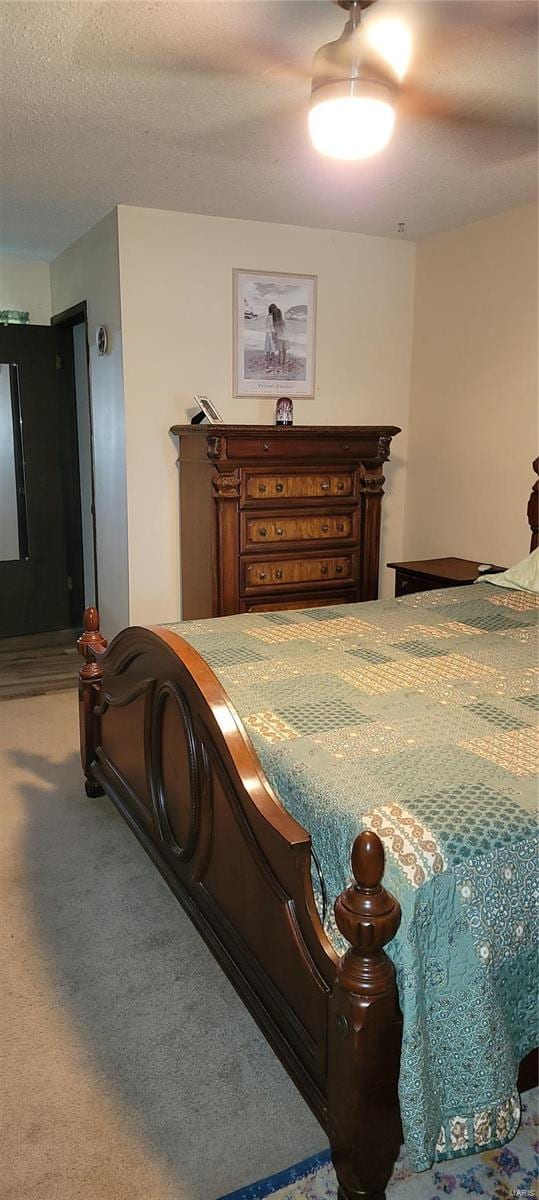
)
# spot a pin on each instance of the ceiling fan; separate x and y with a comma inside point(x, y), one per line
point(356, 81)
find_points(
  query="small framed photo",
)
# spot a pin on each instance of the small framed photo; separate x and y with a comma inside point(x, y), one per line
point(274, 334)
point(208, 409)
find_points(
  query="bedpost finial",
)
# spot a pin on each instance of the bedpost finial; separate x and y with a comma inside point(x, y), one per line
point(90, 620)
point(90, 641)
point(368, 860)
point(366, 915)
point(533, 509)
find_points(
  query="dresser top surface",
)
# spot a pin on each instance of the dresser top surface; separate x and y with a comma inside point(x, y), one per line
point(285, 430)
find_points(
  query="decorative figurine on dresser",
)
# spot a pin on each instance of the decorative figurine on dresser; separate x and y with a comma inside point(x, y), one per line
point(276, 517)
point(284, 411)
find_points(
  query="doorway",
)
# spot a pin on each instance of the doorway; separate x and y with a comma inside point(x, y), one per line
point(47, 503)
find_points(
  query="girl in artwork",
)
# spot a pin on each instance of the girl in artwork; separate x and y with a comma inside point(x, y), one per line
point(278, 333)
point(269, 345)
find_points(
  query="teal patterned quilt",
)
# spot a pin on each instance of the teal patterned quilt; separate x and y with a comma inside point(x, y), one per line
point(417, 718)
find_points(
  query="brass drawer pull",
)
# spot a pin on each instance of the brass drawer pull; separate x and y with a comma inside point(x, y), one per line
point(340, 485)
point(325, 528)
point(324, 486)
point(339, 568)
point(323, 570)
point(278, 574)
point(340, 527)
point(279, 531)
point(345, 446)
point(265, 445)
point(262, 487)
point(279, 487)
point(263, 532)
point(262, 574)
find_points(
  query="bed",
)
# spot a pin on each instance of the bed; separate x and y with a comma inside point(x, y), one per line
point(402, 724)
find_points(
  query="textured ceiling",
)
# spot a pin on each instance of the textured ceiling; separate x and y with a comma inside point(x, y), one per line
point(201, 107)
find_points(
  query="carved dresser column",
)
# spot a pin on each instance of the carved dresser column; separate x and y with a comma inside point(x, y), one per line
point(371, 486)
point(226, 485)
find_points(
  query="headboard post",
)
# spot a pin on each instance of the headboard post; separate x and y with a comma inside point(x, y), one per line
point(533, 509)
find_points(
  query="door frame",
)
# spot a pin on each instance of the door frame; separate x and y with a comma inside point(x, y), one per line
point(67, 320)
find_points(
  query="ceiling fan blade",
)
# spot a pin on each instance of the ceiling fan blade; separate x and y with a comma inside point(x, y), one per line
point(452, 25)
point(269, 136)
point(416, 101)
point(160, 58)
point(485, 134)
point(182, 43)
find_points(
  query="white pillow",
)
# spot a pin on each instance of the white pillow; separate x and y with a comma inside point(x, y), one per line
point(524, 576)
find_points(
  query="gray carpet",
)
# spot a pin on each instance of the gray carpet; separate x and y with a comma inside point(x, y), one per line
point(130, 1070)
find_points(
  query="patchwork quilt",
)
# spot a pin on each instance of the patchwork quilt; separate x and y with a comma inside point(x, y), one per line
point(417, 718)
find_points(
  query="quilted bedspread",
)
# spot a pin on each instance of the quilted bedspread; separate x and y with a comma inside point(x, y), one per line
point(417, 718)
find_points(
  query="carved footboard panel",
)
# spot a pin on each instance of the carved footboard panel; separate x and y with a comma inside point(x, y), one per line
point(183, 774)
point(159, 735)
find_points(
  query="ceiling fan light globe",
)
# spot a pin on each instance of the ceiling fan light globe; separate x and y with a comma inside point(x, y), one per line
point(350, 127)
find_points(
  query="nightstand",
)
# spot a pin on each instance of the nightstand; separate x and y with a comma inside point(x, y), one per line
point(430, 573)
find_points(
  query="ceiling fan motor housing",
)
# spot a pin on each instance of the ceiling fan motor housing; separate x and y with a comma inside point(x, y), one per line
point(351, 66)
point(348, 4)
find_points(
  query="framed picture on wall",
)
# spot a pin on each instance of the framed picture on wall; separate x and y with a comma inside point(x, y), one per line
point(274, 334)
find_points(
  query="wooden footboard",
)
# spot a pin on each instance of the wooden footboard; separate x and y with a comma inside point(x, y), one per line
point(160, 737)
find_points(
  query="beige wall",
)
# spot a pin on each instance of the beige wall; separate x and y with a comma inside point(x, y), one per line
point(88, 270)
point(24, 284)
point(469, 417)
point(176, 289)
point(473, 413)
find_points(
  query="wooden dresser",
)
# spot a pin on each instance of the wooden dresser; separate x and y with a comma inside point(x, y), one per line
point(279, 517)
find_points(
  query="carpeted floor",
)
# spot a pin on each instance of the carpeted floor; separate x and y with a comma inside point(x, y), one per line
point(508, 1173)
point(129, 1070)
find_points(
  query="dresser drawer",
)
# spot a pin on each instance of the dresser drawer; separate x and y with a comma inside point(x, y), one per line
point(279, 445)
point(277, 528)
point(304, 600)
point(258, 486)
point(258, 575)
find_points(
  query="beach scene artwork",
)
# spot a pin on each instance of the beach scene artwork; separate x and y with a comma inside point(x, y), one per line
point(274, 334)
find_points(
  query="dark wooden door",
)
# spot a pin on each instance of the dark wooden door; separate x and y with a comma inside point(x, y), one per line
point(36, 524)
